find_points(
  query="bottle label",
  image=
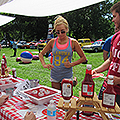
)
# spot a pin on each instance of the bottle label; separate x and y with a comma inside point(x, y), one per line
point(51, 113)
point(15, 74)
point(88, 90)
point(66, 89)
point(88, 71)
point(108, 99)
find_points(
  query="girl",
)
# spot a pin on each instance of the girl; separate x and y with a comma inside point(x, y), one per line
point(62, 49)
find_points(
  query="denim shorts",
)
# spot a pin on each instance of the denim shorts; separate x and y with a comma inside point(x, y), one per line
point(53, 80)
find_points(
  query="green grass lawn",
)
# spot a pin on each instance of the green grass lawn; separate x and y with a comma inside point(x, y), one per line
point(35, 70)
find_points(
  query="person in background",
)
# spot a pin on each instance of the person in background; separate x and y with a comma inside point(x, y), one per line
point(112, 64)
point(62, 49)
point(107, 45)
point(11, 44)
point(15, 47)
point(3, 99)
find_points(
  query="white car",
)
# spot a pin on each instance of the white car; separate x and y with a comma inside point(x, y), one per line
point(96, 46)
point(3, 44)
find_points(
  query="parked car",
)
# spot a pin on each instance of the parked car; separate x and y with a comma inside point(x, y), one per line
point(84, 41)
point(25, 46)
point(32, 45)
point(96, 46)
point(21, 43)
point(41, 44)
point(3, 43)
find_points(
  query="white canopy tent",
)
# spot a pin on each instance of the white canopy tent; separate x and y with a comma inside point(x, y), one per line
point(3, 1)
point(41, 8)
point(5, 19)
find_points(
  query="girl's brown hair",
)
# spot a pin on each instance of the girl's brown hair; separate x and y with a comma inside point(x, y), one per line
point(116, 7)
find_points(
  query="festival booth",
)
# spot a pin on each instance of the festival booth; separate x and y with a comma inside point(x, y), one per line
point(29, 95)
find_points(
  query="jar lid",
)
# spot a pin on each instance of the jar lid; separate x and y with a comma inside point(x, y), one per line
point(89, 66)
point(13, 69)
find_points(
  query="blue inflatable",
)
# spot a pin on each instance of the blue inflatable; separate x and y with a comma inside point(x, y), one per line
point(26, 56)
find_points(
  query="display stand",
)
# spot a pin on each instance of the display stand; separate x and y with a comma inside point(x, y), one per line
point(7, 70)
point(74, 106)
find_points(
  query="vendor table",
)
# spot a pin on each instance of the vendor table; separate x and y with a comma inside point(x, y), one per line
point(9, 111)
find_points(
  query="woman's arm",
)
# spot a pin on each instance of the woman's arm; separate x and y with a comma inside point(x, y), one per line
point(47, 48)
point(76, 47)
point(104, 66)
point(105, 55)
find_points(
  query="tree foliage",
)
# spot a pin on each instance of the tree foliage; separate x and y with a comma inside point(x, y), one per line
point(92, 22)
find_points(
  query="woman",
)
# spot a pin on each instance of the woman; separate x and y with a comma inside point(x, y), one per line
point(62, 50)
point(15, 47)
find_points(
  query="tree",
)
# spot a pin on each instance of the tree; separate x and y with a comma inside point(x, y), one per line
point(92, 22)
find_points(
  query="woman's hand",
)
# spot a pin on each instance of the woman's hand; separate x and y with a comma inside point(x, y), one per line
point(3, 99)
point(30, 116)
point(49, 66)
point(94, 71)
point(67, 64)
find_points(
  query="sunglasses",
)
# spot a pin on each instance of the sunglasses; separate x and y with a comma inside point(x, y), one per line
point(58, 32)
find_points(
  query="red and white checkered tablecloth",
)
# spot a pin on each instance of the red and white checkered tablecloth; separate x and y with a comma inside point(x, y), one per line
point(9, 111)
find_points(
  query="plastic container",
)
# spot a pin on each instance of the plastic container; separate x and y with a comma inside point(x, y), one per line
point(51, 111)
point(109, 95)
point(88, 84)
point(14, 72)
point(5, 61)
point(34, 83)
point(67, 89)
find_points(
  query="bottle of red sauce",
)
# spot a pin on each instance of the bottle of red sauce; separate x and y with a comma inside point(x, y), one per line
point(109, 95)
point(67, 89)
point(2, 68)
point(14, 72)
point(88, 84)
point(5, 61)
point(87, 89)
